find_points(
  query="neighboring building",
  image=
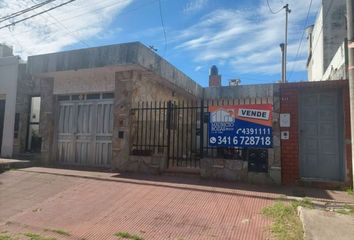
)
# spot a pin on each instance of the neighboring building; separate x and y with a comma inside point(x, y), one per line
point(327, 44)
point(214, 77)
point(11, 70)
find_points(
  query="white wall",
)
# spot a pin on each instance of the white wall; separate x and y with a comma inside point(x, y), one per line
point(8, 88)
point(316, 63)
point(337, 69)
point(328, 35)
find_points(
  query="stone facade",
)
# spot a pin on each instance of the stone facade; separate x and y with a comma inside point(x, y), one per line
point(47, 120)
point(133, 87)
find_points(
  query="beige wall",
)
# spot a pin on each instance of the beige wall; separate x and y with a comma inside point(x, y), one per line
point(148, 89)
point(84, 81)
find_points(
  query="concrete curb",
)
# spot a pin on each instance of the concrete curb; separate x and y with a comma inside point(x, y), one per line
point(301, 216)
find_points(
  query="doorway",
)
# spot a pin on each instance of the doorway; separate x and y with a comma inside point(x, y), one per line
point(321, 136)
point(34, 141)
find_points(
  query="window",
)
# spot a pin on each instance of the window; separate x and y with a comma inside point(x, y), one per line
point(34, 141)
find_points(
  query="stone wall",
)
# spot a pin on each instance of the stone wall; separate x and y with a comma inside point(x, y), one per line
point(133, 87)
point(27, 87)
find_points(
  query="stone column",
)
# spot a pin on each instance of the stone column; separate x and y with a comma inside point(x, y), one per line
point(124, 82)
point(46, 126)
point(274, 154)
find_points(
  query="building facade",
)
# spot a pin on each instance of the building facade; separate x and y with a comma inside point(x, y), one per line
point(327, 44)
point(123, 107)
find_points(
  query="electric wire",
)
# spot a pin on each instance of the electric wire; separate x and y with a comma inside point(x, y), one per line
point(19, 13)
point(72, 33)
point(163, 25)
point(271, 10)
point(86, 12)
point(37, 14)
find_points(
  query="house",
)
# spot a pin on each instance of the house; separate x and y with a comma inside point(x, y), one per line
point(123, 107)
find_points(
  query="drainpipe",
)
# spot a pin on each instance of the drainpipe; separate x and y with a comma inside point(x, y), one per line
point(350, 35)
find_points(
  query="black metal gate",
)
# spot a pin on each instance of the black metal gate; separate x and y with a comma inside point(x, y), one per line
point(171, 129)
point(178, 131)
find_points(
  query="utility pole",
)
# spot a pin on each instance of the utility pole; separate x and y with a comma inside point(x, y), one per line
point(282, 63)
point(350, 35)
point(287, 11)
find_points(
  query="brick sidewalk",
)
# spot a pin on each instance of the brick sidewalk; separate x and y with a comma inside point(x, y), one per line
point(94, 209)
point(95, 205)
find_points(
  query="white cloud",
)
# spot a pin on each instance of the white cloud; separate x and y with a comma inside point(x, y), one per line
point(194, 5)
point(63, 26)
point(198, 68)
point(248, 40)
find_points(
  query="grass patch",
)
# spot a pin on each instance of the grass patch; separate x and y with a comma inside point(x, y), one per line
point(348, 210)
point(33, 236)
point(286, 224)
point(350, 192)
point(59, 231)
point(5, 237)
point(127, 235)
point(305, 202)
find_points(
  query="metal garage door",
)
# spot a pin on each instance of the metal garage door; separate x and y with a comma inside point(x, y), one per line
point(85, 132)
point(321, 146)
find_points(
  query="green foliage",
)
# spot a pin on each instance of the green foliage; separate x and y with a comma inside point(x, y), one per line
point(127, 235)
point(59, 231)
point(33, 236)
point(348, 210)
point(5, 237)
point(350, 192)
point(286, 224)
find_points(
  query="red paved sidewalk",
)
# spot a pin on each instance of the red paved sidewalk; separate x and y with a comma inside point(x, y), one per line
point(94, 209)
point(95, 205)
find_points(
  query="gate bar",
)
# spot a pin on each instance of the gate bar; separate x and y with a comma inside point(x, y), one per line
point(201, 125)
point(168, 130)
point(178, 122)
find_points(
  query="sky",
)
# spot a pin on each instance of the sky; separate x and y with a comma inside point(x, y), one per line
point(240, 37)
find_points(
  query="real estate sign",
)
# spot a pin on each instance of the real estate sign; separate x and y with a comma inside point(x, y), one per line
point(241, 126)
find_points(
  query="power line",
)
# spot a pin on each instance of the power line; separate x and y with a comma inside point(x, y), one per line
point(16, 14)
point(302, 37)
point(37, 14)
point(73, 34)
point(271, 10)
point(163, 26)
point(83, 13)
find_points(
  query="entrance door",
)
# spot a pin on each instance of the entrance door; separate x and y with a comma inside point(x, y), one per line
point(85, 132)
point(320, 136)
point(2, 115)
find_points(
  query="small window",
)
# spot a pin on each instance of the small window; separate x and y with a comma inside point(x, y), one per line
point(63, 98)
point(34, 140)
point(93, 96)
point(108, 95)
point(75, 97)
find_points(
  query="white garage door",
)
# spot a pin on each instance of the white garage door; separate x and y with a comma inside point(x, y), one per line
point(85, 129)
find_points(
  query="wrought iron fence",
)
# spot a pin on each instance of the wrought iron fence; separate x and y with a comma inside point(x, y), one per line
point(179, 131)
